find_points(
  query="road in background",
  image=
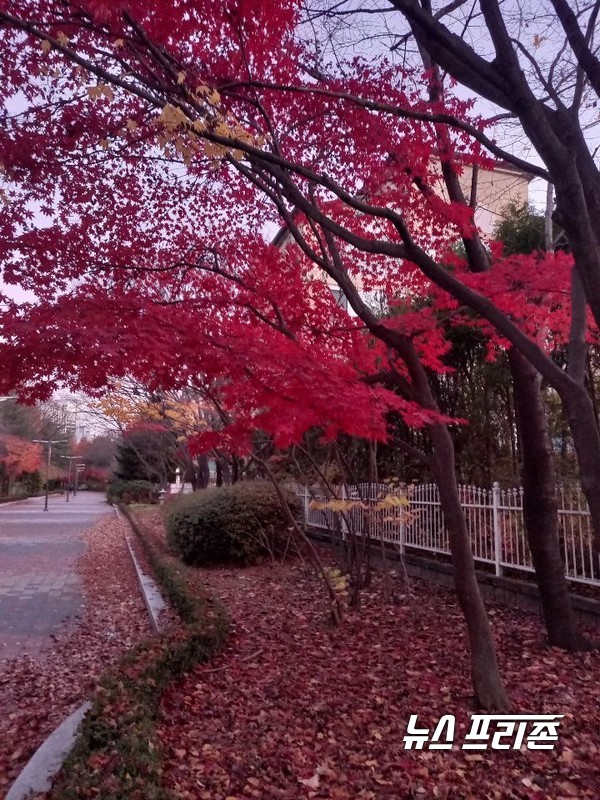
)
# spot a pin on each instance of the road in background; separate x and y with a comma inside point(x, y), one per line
point(40, 592)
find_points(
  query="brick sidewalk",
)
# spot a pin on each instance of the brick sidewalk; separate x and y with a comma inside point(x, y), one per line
point(41, 595)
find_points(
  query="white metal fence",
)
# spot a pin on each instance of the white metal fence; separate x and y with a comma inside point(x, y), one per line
point(494, 520)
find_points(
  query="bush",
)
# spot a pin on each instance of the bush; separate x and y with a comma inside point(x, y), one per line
point(32, 481)
point(131, 492)
point(239, 523)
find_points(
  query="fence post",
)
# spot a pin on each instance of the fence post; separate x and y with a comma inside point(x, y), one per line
point(306, 498)
point(497, 528)
point(403, 515)
point(344, 524)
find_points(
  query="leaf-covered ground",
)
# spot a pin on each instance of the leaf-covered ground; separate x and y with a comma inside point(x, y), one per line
point(295, 708)
point(35, 696)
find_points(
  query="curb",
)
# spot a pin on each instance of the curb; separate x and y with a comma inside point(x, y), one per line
point(153, 599)
point(26, 499)
point(36, 776)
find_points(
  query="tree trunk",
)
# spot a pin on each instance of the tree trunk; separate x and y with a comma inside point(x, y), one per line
point(487, 684)
point(540, 509)
point(485, 675)
point(202, 473)
point(591, 387)
point(586, 440)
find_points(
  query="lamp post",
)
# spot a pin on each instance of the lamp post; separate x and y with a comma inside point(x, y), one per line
point(78, 468)
point(49, 442)
point(71, 459)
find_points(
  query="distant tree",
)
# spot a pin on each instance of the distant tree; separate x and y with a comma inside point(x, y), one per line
point(147, 452)
point(19, 420)
point(521, 229)
point(98, 453)
point(18, 458)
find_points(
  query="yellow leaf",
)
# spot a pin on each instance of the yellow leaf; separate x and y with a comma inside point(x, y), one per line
point(391, 501)
point(181, 76)
point(171, 117)
point(131, 124)
point(223, 129)
point(118, 43)
point(101, 90)
point(104, 144)
point(46, 46)
point(199, 126)
point(62, 38)
point(213, 97)
point(213, 150)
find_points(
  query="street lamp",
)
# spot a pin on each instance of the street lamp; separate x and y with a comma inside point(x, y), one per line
point(78, 468)
point(49, 442)
point(71, 459)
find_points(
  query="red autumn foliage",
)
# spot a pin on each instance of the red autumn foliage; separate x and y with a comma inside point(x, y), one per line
point(133, 279)
point(19, 455)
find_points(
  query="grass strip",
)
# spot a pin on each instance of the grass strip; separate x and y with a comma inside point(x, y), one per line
point(117, 756)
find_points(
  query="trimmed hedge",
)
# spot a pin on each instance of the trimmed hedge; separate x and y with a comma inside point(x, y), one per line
point(240, 524)
point(119, 491)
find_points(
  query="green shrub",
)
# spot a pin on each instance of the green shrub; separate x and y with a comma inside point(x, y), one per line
point(32, 481)
point(131, 492)
point(239, 523)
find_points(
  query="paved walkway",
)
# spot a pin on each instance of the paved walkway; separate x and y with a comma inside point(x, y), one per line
point(40, 592)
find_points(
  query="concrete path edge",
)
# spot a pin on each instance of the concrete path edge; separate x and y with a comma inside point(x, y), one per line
point(36, 776)
point(153, 599)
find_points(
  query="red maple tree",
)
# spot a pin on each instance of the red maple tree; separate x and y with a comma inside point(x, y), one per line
point(18, 456)
point(156, 138)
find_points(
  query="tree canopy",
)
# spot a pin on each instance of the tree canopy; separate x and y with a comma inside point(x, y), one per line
point(145, 146)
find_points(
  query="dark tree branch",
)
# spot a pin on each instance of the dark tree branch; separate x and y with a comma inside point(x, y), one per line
point(587, 60)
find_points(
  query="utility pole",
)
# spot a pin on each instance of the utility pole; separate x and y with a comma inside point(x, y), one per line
point(78, 469)
point(49, 442)
point(71, 459)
